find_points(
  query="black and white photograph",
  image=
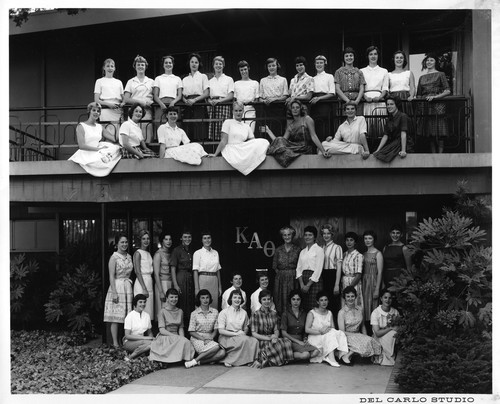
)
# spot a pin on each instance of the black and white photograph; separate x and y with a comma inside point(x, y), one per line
point(262, 200)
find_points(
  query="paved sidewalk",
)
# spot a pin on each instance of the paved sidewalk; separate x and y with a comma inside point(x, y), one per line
point(297, 378)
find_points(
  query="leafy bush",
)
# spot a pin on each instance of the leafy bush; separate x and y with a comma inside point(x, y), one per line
point(460, 364)
point(78, 299)
point(45, 362)
point(20, 276)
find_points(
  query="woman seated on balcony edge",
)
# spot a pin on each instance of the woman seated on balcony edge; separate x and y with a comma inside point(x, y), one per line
point(170, 136)
point(131, 135)
point(98, 151)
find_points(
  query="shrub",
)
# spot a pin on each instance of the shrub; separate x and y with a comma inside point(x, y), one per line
point(460, 364)
point(20, 276)
point(78, 299)
point(46, 362)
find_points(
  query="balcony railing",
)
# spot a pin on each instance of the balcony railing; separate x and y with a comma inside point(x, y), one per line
point(49, 133)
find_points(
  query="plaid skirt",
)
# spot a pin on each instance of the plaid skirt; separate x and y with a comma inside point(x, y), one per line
point(276, 354)
point(309, 300)
point(431, 119)
point(221, 112)
point(147, 153)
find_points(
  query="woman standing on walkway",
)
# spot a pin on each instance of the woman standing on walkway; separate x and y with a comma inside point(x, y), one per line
point(206, 269)
point(352, 267)
point(373, 265)
point(170, 345)
point(396, 256)
point(161, 268)
point(284, 266)
point(119, 297)
point(143, 266)
point(273, 351)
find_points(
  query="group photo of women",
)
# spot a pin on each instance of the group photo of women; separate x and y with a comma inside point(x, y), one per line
point(323, 303)
point(125, 122)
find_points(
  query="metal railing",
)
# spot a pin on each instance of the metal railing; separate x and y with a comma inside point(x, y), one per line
point(42, 133)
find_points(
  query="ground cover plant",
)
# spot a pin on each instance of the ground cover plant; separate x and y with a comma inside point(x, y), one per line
point(48, 362)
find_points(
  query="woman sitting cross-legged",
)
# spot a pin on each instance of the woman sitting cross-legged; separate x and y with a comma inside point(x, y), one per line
point(137, 323)
point(170, 345)
point(273, 351)
point(350, 320)
point(203, 331)
point(233, 328)
point(323, 335)
point(293, 324)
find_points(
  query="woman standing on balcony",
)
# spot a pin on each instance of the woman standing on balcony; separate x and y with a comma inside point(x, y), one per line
point(195, 89)
point(431, 87)
point(108, 91)
point(238, 145)
point(349, 80)
point(143, 267)
point(247, 92)
point(273, 89)
point(401, 81)
point(132, 137)
point(167, 90)
point(139, 90)
point(221, 89)
point(97, 151)
point(119, 297)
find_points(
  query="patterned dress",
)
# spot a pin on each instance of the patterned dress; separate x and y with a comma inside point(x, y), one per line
point(203, 323)
point(370, 273)
point(284, 265)
point(146, 268)
point(356, 341)
point(329, 342)
point(352, 265)
point(165, 277)
point(265, 322)
point(350, 80)
point(171, 348)
point(285, 151)
point(116, 312)
point(182, 260)
point(431, 115)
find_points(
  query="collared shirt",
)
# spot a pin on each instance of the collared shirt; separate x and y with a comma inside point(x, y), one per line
point(350, 79)
point(226, 294)
point(352, 263)
point(264, 322)
point(273, 87)
point(203, 322)
point(182, 258)
point(246, 91)
point(301, 85)
point(311, 259)
point(206, 260)
point(232, 319)
point(133, 132)
point(141, 90)
point(137, 323)
point(171, 137)
point(324, 83)
point(396, 124)
point(109, 88)
point(221, 86)
point(168, 85)
point(350, 132)
point(333, 256)
point(194, 84)
point(294, 325)
point(379, 316)
point(377, 78)
point(254, 301)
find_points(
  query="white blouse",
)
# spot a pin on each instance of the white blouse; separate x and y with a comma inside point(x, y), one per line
point(172, 137)
point(311, 259)
point(221, 86)
point(399, 81)
point(206, 260)
point(377, 78)
point(133, 131)
point(137, 323)
point(233, 320)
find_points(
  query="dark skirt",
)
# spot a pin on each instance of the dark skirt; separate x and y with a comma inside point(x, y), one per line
point(432, 119)
point(285, 152)
point(309, 300)
point(391, 150)
point(186, 297)
point(146, 153)
point(276, 354)
point(307, 347)
point(284, 283)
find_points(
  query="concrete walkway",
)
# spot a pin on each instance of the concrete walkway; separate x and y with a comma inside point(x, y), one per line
point(299, 378)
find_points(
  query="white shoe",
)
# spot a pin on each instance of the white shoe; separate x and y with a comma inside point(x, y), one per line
point(190, 364)
point(333, 362)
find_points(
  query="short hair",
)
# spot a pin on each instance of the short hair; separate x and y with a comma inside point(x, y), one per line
point(236, 272)
point(243, 63)
point(349, 50)
point(370, 49)
point(321, 57)
point(383, 292)
point(197, 56)
point(167, 57)
point(272, 60)
point(405, 59)
point(396, 100)
point(320, 294)
point(288, 227)
point(118, 237)
point(140, 59)
point(432, 55)
point(108, 60)
point(348, 103)
point(370, 233)
point(186, 231)
point(173, 109)
point(138, 297)
point(203, 292)
point(235, 292)
point(326, 226)
point(171, 291)
point(132, 109)
point(220, 59)
point(349, 289)
point(263, 293)
point(205, 232)
point(396, 226)
point(303, 109)
point(300, 59)
point(93, 105)
point(351, 234)
point(295, 292)
point(262, 275)
point(238, 104)
point(163, 234)
point(311, 229)
point(143, 232)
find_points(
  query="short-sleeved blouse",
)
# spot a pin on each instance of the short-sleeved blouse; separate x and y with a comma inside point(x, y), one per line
point(133, 131)
point(395, 124)
point(172, 137)
point(246, 91)
point(432, 84)
point(264, 321)
point(237, 131)
point(168, 84)
point(353, 263)
point(205, 260)
point(221, 86)
point(350, 79)
point(377, 78)
point(137, 323)
point(294, 325)
point(194, 84)
point(203, 322)
point(273, 87)
point(379, 316)
point(233, 320)
point(171, 320)
point(141, 90)
point(108, 88)
point(399, 81)
point(352, 318)
point(286, 261)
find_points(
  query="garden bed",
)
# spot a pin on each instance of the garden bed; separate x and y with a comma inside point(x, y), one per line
point(49, 362)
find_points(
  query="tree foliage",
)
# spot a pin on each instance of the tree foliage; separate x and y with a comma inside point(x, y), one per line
point(21, 15)
point(20, 276)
